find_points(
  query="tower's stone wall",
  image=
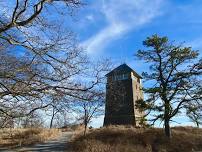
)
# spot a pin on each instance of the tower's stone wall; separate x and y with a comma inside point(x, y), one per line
point(137, 95)
point(119, 105)
point(122, 90)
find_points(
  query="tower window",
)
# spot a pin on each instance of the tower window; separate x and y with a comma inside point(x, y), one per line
point(120, 77)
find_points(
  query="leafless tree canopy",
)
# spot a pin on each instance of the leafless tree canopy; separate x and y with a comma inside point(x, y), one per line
point(40, 57)
point(91, 107)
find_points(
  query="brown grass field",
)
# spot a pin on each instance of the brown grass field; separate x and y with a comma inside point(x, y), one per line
point(129, 139)
point(11, 138)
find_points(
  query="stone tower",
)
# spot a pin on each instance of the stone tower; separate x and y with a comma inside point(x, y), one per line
point(123, 90)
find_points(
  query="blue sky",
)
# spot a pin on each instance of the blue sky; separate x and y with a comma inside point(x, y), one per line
point(116, 28)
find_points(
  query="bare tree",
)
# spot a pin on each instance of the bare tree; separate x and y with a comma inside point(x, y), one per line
point(194, 113)
point(91, 107)
point(34, 120)
point(59, 107)
point(23, 13)
point(40, 56)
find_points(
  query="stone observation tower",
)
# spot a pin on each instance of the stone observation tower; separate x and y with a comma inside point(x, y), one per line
point(123, 90)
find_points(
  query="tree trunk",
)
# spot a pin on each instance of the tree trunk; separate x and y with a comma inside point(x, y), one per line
point(85, 122)
point(197, 124)
point(85, 129)
point(167, 128)
point(167, 119)
point(51, 123)
point(52, 118)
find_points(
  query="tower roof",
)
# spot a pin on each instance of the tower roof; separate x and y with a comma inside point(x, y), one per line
point(122, 69)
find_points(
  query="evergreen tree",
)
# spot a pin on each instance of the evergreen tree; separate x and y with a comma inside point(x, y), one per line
point(174, 79)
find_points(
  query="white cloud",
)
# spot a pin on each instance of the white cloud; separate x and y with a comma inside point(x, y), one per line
point(122, 17)
point(90, 17)
point(97, 122)
point(195, 44)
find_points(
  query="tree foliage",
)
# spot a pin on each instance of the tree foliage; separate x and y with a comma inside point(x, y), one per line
point(174, 79)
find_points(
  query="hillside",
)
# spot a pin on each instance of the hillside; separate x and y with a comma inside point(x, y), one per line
point(129, 139)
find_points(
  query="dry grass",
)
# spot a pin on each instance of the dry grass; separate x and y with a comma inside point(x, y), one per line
point(129, 139)
point(74, 128)
point(18, 137)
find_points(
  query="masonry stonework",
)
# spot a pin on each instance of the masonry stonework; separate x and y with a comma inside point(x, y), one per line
point(123, 89)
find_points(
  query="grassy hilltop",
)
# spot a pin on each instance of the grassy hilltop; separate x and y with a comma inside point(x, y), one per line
point(129, 139)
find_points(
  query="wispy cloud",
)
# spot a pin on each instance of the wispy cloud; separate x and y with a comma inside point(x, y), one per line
point(121, 17)
point(195, 44)
point(90, 17)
